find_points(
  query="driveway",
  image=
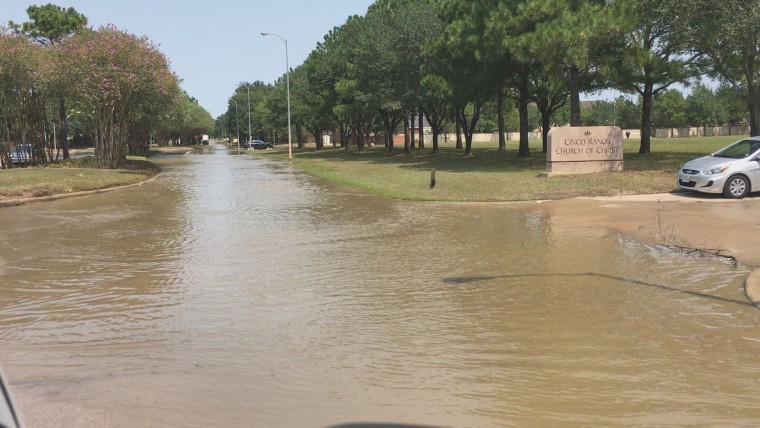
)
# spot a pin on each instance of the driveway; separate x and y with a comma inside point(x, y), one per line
point(695, 220)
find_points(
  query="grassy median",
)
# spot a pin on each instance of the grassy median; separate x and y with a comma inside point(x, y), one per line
point(71, 176)
point(494, 176)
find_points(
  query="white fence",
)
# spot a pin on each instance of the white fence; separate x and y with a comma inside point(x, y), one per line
point(705, 131)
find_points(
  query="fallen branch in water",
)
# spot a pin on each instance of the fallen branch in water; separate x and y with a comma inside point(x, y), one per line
point(669, 238)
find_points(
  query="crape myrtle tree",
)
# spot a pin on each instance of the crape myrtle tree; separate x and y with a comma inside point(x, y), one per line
point(112, 76)
point(49, 25)
point(653, 55)
point(23, 98)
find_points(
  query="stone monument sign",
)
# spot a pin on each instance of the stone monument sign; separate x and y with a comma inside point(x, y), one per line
point(582, 150)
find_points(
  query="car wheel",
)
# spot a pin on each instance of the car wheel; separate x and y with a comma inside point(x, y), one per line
point(736, 187)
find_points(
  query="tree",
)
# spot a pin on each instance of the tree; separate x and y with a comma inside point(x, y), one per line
point(733, 98)
point(627, 113)
point(571, 37)
point(732, 44)
point(468, 62)
point(49, 25)
point(653, 58)
point(326, 64)
point(703, 108)
point(112, 76)
point(669, 110)
point(510, 29)
point(23, 98)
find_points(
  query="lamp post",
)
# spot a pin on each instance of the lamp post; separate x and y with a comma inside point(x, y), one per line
point(287, 83)
point(250, 136)
point(237, 124)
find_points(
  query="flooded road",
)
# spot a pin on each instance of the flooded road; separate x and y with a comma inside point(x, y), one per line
point(234, 291)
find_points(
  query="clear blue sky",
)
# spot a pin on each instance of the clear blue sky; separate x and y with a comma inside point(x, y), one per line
point(213, 45)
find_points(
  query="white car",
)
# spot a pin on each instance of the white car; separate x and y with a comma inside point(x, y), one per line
point(733, 171)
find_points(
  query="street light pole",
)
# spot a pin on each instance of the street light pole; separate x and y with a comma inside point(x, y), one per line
point(237, 124)
point(250, 136)
point(287, 83)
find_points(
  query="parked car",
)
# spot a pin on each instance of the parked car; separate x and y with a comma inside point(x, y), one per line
point(260, 145)
point(21, 154)
point(733, 170)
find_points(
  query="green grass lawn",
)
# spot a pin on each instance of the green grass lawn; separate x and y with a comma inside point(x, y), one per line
point(487, 176)
point(70, 176)
point(494, 176)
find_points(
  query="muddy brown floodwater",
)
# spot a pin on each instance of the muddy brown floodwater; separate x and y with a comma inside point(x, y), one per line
point(234, 291)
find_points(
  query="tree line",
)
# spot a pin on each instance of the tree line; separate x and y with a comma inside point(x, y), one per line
point(469, 65)
point(61, 79)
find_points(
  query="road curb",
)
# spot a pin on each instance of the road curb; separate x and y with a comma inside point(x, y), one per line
point(752, 287)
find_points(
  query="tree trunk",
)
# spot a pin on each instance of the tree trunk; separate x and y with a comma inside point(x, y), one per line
point(546, 121)
point(433, 121)
point(754, 110)
point(299, 136)
point(407, 143)
point(411, 132)
point(459, 132)
point(524, 150)
point(646, 118)
point(500, 115)
point(421, 123)
point(575, 97)
point(388, 125)
point(317, 132)
point(63, 128)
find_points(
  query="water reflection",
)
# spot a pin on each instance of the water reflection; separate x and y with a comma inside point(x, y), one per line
point(235, 291)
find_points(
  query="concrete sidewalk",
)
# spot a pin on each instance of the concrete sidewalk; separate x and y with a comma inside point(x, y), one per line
point(696, 220)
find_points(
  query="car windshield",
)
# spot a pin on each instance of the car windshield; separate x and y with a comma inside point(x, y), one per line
point(739, 150)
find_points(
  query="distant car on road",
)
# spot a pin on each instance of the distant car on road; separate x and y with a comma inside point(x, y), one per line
point(733, 170)
point(260, 145)
point(21, 154)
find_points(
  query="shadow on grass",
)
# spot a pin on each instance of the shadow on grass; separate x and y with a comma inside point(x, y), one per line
point(487, 159)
